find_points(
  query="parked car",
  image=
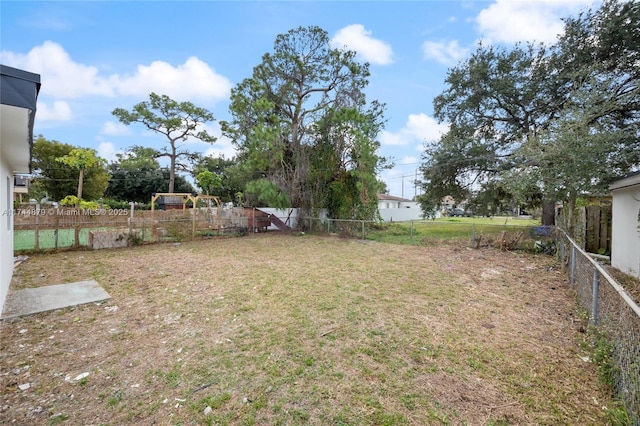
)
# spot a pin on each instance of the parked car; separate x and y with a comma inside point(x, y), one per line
point(460, 212)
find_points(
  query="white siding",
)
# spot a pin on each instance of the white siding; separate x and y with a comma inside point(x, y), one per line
point(6, 229)
point(625, 251)
point(407, 210)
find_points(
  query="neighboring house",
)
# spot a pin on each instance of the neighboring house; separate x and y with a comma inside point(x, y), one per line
point(396, 209)
point(448, 203)
point(18, 94)
point(625, 232)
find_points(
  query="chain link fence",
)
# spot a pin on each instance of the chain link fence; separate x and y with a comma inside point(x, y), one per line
point(429, 232)
point(615, 321)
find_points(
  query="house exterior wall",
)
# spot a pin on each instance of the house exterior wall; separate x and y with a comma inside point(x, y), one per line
point(18, 98)
point(6, 227)
point(407, 210)
point(625, 238)
point(413, 212)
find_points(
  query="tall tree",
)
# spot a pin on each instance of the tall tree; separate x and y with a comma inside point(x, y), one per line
point(82, 159)
point(276, 115)
point(232, 178)
point(59, 180)
point(495, 101)
point(558, 120)
point(177, 121)
point(209, 182)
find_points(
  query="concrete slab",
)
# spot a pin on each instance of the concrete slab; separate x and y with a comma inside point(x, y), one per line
point(41, 299)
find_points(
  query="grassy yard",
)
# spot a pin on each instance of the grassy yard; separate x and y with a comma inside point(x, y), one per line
point(276, 329)
point(461, 230)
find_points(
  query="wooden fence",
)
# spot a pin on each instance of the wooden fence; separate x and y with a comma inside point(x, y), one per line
point(55, 228)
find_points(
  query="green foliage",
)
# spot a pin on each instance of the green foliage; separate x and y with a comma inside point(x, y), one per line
point(57, 180)
point(232, 177)
point(115, 204)
point(261, 193)
point(602, 354)
point(72, 200)
point(139, 185)
point(543, 123)
point(82, 159)
point(138, 157)
point(209, 182)
point(135, 238)
point(177, 121)
point(618, 415)
point(302, 121)
point(57, 419)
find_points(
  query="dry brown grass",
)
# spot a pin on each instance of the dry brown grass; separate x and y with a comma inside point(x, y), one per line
point(282, 329)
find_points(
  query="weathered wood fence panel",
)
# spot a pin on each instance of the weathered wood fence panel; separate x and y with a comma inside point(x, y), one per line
point(598, 229)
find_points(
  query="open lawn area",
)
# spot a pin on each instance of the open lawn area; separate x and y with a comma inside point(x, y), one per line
point(276, 329)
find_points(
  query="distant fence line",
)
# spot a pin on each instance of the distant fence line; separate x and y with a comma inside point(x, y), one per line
point(614, 314)
point(58, 228)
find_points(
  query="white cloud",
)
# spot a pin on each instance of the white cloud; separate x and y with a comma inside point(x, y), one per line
point(223, 146)
point(419, 128)
point(511, 21)
point(107, 151)
point(64, 78)
point(355, 37)
point(115, 129)
point(60, 76)
point(59, 111)
point(191, 80)
point(446, 53)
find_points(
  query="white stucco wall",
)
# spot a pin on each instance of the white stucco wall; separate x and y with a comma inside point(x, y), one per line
point(6, 228)
point(403, 214)
point(407, 211)
point(625, 233)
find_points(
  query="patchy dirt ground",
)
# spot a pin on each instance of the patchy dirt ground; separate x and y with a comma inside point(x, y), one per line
point(282, 329)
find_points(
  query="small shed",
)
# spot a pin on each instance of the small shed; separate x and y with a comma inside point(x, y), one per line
point(625, 232)
point(169, 202)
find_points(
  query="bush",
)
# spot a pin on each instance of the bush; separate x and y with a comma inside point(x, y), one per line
point(115, 204)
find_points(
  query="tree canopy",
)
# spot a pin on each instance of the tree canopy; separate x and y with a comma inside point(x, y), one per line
point(82, 159)
point(543, 123)
point(301, 124)
point(136, 175)
point(177, 121)
point(58, 179)
point(229, 176)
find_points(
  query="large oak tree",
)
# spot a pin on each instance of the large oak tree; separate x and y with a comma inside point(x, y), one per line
point(546, 122)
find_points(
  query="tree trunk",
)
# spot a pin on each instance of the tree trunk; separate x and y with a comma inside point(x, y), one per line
point(80, 180)
point(549, 213)
point(172, 169)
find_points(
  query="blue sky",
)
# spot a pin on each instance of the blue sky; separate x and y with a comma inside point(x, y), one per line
point(96, 56)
